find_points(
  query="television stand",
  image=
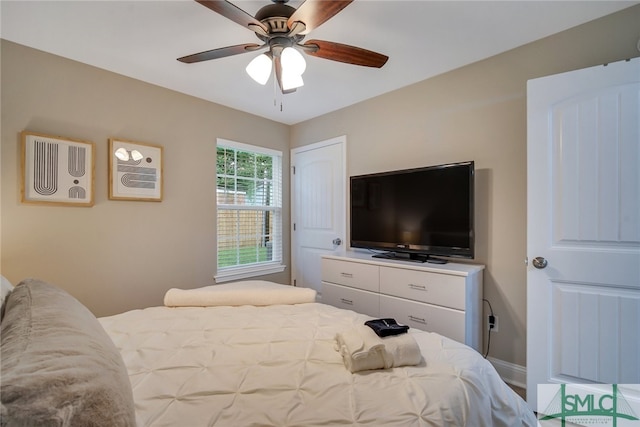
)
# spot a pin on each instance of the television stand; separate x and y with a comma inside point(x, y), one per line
point(403, 256)
point(446, 299)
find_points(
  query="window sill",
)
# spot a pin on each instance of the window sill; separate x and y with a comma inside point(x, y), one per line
point(239, 273)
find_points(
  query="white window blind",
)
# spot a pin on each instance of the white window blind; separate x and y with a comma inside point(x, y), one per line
point(249, 205)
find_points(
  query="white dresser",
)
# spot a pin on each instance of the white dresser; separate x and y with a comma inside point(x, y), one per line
point(446, 299)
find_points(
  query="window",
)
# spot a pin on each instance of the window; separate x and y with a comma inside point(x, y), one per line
point(249, 200)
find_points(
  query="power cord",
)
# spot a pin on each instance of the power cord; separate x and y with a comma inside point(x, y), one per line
point(492, 322)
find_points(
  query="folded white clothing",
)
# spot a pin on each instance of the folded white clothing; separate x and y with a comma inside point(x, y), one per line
point(250, 292)
point(401, 350)
point(362, 349)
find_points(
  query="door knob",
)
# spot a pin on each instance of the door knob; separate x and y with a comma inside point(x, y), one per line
point(337, 241)
point(539, 262)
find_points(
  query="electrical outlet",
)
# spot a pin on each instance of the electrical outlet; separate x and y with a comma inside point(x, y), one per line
point(492, 323)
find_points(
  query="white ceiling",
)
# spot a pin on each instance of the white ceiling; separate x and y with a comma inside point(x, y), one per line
point(142, 39)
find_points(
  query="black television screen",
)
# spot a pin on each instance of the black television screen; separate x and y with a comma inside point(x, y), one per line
point(419, 212)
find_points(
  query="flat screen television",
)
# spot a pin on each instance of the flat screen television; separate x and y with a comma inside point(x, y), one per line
point(415, 214)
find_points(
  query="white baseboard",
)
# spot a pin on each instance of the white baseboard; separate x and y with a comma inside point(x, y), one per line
point(510, 372)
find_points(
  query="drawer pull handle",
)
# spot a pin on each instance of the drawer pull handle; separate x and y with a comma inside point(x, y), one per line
point(417, 319)
point(346, 301)
point(349, 275)
point(418, 287)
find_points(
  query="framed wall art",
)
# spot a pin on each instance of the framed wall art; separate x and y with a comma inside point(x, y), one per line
point(135, 171)
point(57, 170)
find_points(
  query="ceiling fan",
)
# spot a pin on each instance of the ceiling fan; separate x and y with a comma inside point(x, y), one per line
point(282, 28)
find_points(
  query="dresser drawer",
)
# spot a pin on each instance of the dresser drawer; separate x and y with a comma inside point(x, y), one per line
point(434, 288)
point(426, 317)
point(351, 299)
point(353, 274)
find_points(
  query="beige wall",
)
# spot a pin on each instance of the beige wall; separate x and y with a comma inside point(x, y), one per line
point(477, 112)
point(118, 255)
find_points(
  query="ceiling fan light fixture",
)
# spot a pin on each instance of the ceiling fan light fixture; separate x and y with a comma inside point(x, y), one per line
point(281, 28)
point(260, 68)
point(293, 61)
point(291, 80)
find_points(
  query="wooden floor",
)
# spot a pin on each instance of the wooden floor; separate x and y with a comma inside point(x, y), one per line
point(521, 392)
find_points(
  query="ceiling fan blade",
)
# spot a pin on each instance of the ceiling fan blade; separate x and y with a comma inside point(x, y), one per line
point(234, 13)
point(345, 53)
point(219, 53)
point(314, 13)
point(278, 67)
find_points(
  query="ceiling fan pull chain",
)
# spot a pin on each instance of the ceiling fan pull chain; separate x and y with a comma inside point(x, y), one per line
point(275, 90)
point(276, 94)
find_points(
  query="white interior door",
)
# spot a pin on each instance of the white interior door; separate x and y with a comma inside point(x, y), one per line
point(318, 184)
point(583, 157)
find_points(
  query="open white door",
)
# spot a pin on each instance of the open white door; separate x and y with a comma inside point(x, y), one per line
point(318, 212)
point(583, 237)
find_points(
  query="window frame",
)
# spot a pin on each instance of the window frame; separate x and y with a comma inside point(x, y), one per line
point(238, 272)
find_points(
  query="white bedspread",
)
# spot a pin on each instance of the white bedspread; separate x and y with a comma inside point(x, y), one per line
point(277, 366)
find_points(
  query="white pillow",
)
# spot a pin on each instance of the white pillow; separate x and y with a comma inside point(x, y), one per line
point(5, 287)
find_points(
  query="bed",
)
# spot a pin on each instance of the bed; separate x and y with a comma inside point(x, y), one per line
point(261, 364)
